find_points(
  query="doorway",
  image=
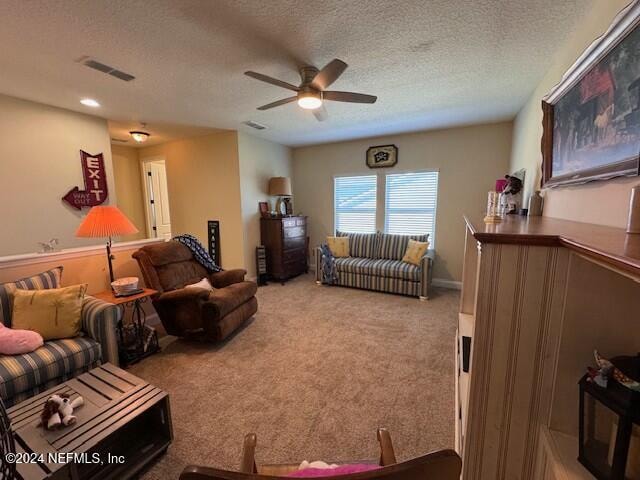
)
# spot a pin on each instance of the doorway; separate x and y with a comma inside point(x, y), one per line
point(156, 201)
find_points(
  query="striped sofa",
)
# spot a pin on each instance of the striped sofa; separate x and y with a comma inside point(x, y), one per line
point(22, 376)
point(375, 263)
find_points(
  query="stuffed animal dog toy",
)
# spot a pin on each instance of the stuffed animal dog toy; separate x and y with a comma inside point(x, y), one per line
point(511, 197)
point(58, 410)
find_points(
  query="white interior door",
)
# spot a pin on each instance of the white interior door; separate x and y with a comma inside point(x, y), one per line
point(157, 201)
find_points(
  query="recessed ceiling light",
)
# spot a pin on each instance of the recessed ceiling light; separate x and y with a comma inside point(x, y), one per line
point(89, 102)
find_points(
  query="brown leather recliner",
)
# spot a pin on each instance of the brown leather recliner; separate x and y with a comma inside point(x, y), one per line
point(194, 312)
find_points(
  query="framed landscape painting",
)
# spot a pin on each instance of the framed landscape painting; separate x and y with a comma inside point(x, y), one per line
point(591, 119)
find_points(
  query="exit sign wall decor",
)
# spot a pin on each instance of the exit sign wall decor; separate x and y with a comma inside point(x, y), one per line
point(95, 183)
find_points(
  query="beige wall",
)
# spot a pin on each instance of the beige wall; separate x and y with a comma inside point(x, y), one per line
point(599, 202)
point(39, 163)
point(91, 268)
point(129, 188)
point(469, 160)
point(259, 160)
point(203, 182)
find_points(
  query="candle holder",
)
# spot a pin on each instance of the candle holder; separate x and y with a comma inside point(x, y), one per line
point(492, 208)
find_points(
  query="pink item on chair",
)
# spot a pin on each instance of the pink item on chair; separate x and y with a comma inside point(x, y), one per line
point(16, 342)
point(501, 183)
point(332, 472)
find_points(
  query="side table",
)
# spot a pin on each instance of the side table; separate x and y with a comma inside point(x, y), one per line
point(137, 339)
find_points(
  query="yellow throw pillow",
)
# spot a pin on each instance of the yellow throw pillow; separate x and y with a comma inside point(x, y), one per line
point(53, 313)
point(415, 251)
point(339, 246)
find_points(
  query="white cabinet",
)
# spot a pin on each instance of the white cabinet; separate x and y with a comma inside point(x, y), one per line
point(538, 296)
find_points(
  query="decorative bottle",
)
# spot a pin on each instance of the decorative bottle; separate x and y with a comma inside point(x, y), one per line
point(535, 204)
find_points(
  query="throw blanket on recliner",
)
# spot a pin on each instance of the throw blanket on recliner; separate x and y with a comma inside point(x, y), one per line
point(199, 252)
point(328, 263)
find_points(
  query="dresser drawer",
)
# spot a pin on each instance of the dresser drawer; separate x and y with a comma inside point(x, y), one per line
point(294, 222)
point(294, 259)
point(294, 242)
point(295, 268)
point(293, 255)
point(293, 232)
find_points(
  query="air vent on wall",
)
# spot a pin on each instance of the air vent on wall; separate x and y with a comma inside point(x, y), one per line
point(101, 67)
point(119, 140)
point(256, 125)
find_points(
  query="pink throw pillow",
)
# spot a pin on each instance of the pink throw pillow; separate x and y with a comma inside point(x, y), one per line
point(16, 342)
point(332, 472)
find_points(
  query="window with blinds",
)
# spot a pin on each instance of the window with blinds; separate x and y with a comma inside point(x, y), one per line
point(355, 204)
point(410, 204)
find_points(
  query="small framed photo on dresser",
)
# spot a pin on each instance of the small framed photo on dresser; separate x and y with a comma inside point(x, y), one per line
point(264, 209)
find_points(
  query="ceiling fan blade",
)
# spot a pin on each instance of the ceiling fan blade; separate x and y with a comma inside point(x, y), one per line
point(320, 113)
point(278, 103)
point(329, 74)
point(271, 80)
point(349, 97)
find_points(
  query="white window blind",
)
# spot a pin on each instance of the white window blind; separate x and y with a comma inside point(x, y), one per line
point(355, 204)
point(410, 204)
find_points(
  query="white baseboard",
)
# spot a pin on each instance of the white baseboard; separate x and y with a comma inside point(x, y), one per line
point(441, 282)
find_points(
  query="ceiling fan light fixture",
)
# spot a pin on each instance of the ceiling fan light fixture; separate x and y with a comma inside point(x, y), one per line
point(309, 100)
point(312, 91)
point(139, 136)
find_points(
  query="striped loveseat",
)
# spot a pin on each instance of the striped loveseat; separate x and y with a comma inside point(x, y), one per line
point(22, 376)
point(375, 263)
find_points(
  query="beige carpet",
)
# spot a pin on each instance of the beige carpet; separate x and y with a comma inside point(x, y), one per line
point(313, 375)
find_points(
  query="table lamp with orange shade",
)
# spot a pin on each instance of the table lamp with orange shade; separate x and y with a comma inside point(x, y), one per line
point(106, 221)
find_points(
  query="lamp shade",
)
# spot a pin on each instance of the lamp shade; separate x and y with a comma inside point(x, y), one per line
point(106, 221)
point(280, 186)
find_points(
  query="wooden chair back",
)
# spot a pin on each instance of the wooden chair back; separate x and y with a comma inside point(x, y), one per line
point(440, 465)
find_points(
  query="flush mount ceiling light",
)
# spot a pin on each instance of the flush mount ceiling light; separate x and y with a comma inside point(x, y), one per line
point(139, 136)
point(89, 102)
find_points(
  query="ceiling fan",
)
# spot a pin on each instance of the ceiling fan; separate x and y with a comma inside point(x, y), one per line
point(312, 90)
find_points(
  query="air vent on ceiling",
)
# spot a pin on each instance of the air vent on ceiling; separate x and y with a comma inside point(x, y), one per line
point(256, 125)
point(101, 67)
point(119, 140)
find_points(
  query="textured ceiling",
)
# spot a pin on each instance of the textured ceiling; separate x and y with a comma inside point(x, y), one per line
point(432, 63)
point(159, 132)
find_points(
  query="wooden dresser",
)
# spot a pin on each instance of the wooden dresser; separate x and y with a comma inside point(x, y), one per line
point(538, 296)
point(285, 240)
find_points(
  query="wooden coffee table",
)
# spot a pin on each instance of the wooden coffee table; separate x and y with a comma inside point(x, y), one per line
point(125, 424)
